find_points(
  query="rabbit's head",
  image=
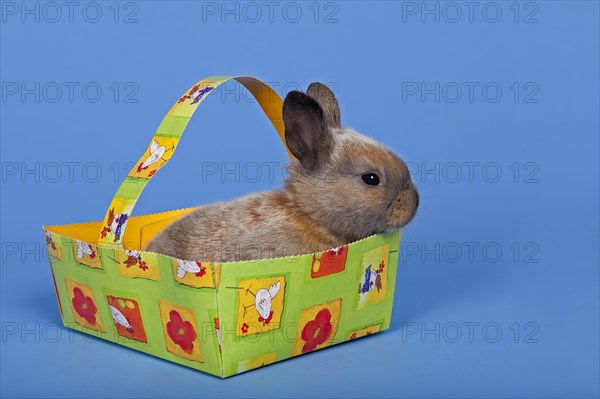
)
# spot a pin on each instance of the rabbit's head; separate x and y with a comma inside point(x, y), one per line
point(344, 181)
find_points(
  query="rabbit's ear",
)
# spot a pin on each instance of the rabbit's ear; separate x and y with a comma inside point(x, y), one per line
point(306, 132)
point(327, 101)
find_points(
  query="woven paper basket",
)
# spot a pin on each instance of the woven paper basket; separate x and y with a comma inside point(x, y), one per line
point(203, 315)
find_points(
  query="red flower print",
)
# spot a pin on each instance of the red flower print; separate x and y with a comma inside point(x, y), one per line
point(181, 332)
point(381, 266)
point(353, 336)
point(84, 306)
point(316, 331)
point(245, 328)
point(104, 232)
point(152, 173)
point(143, 265)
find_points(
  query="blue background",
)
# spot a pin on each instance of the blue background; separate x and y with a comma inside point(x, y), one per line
point(533, 306)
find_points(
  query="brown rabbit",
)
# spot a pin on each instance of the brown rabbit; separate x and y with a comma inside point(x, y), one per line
point(343, 188)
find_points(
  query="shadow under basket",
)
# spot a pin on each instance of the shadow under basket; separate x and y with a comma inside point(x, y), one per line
point(220, 318)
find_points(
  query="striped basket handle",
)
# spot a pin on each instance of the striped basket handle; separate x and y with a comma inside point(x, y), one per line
point(165, 142)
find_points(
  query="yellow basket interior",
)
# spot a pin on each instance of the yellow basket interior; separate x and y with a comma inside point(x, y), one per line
point(140, 229)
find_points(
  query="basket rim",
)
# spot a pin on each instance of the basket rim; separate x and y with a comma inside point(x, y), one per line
point(48, 228)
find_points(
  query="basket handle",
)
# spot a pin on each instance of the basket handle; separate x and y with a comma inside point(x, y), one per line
point(165, 142)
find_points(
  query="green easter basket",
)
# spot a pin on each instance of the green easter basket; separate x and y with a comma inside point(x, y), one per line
point(206, 315)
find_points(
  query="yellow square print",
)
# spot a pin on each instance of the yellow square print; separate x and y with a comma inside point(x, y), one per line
point(86, 254)
point(187, 103)
point(158, 153)
point(115, 220)
point(84, 305)
point(193, 274)
point(139, 264)
point(181, 332)
point(317, 327)
point(364, 331)
point(372, 277)
point(262, 360)
point(260, 305)
point(53, 246)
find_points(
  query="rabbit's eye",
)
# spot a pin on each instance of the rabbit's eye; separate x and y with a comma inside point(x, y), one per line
point(370, 179)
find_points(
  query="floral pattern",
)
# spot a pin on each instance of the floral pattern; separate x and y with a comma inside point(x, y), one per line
point(137, 264)
point(194, 274)
point(260, 304)
point(87, 254)
point(256, 297)
point(134, 258)
point(181, 332)
point(373, 277)
point(317, 331)
point(245, 328)
point(318, 327)
point(84, 306)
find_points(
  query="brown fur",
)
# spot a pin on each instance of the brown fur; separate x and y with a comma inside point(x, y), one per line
point(324, 203)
